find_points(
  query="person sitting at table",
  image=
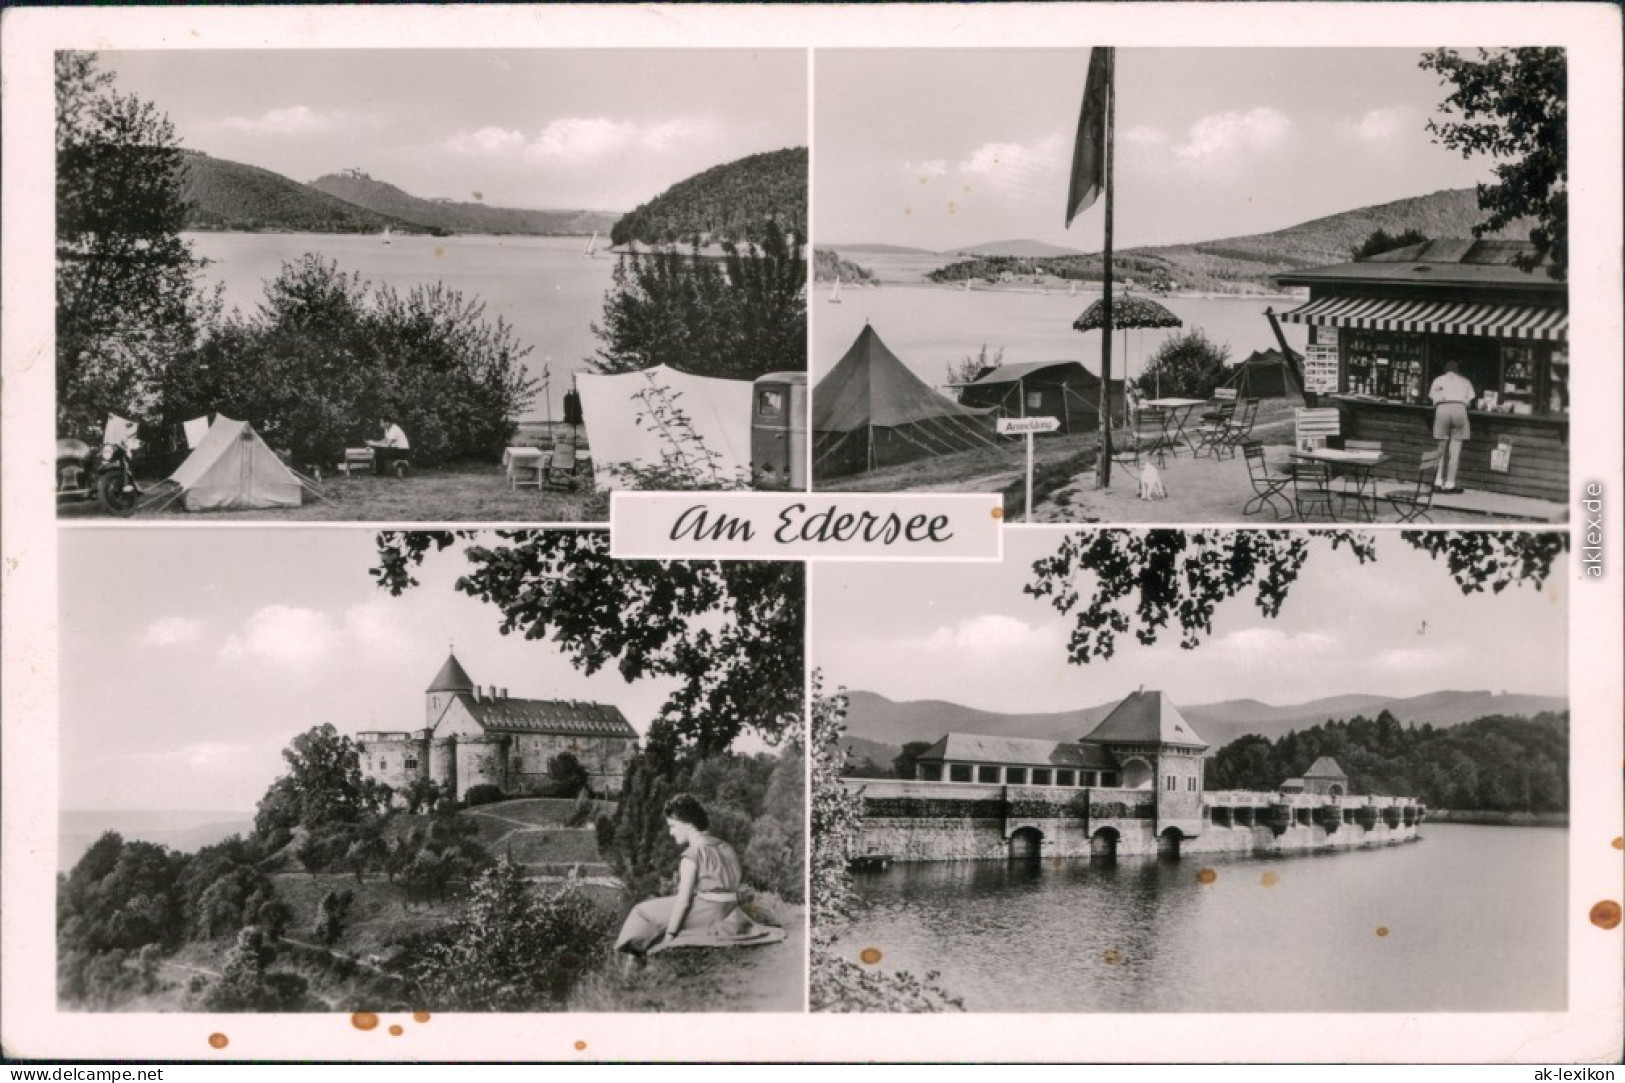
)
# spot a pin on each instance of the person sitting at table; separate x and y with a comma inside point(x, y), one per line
point(392, 447)
point(1450, 394)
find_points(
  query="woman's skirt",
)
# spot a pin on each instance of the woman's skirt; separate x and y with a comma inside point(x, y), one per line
point(708, 924)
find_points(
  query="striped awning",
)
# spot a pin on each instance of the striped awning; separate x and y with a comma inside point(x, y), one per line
point(1545, 322)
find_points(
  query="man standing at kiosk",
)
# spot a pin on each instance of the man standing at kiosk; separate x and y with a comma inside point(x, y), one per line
point(1450, 394)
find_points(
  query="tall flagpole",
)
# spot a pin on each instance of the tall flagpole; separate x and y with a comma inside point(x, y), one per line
point(1104, 474)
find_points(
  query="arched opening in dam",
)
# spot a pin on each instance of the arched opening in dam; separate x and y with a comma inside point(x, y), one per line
point(1026, 843)
point(1168, 843)
point(1103, 843)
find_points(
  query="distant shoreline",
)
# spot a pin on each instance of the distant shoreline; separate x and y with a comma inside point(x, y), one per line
point(1490, 818)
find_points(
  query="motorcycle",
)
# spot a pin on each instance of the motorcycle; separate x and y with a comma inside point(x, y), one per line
point(101, 474)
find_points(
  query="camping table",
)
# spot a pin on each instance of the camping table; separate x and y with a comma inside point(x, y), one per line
point(1357, 466)
point(518, 460)
point(1179, 411)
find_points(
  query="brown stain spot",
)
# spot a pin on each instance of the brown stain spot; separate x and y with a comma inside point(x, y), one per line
point(1056, 863)
point(364, 1020)
point(478, 195)
point(1206, 876)
point(218, 1040)
point(580, 1046)
point(396, 1030)
point(1382, 930)
point(1269, 879)
point(998, 513)
point(870, 956)
point(439, 251)
point(1605, 915)
point(420, 1017)
point(953, 208)
point(1619, 843)
point(1112, 957)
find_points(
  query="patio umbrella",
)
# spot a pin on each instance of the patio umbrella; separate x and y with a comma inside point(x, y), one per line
point(1128, 312)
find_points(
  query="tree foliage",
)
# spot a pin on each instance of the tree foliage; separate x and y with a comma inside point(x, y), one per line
point(326, 358)
point(126, 297)
point(323, 789)
point(247, 983)
point(510, 949)
point(1512, 104)
point(729, 633)
point(1381, 241)
point(1117, 581)
point(736, 201)
point(1188, 365)
point(1496, 764)
point(969, 367)
point(738, 317)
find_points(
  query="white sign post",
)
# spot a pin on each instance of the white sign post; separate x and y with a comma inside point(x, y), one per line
point(1009, 426)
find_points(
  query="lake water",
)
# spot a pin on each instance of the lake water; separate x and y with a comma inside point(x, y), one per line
point(542, 286)
point(929, 327)
point(1475, 920)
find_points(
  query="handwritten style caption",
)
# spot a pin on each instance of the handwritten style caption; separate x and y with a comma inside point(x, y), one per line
point(805, 526)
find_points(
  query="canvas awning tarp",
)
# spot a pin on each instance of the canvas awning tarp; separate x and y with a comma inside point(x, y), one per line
point(621, 429)
point(1546, 322)
point(232, 468)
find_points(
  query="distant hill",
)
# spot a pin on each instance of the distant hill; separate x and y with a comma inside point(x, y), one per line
point(1237, 264)
point(827, 267)
point(231, 196)
point(885, 725)
point(1023, 249)
point(447, 216)
point(77, 829)
point(884, 249)
point(730, 202)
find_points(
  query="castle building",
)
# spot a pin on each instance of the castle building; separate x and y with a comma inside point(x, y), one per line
point(473, 736)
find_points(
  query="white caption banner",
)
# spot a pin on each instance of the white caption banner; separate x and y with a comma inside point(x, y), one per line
point(806, 526)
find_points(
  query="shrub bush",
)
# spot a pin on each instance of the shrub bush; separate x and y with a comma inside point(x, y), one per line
point(484, 793)
point(1186, 366)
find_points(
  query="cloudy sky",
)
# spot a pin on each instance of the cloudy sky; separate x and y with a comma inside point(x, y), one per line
point(967, 634)
point(190, 658)
point(604, 129)
point(952, 147)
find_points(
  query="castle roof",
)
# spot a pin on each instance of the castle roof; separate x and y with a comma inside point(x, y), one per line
point(1146, 718)
point(1017, 751)
point(553, 717)
point(451, 678)
point(1325, 767)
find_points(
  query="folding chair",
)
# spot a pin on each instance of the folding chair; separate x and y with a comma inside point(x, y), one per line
point(1266, 485)
point(1147, 436)
point(1215, 429)
point(1312, 491)
point(1241, 425)
point(1413, 502)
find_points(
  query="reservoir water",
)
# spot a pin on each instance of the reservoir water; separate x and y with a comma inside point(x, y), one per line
point(543, 286)
point(929, 327)
point(1468, 919)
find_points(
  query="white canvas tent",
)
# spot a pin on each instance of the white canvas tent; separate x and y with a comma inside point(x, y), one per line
point(232, 468)
point(620, 428)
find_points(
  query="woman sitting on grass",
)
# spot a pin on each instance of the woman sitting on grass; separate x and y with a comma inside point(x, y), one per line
point(705, 911)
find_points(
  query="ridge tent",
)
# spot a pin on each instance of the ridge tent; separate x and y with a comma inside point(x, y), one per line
point(621, 429)
point(1265, 374)
point(870, 411)
point(1064, 390)
point(232, 468)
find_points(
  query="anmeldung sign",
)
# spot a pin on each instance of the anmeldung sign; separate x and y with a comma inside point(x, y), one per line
point(1015, 426)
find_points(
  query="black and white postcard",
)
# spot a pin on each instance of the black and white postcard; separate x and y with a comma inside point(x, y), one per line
point(771, 533)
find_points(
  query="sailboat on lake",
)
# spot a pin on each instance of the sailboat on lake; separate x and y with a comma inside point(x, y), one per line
point(835, 291)
point(592, 246)
point(386, 234)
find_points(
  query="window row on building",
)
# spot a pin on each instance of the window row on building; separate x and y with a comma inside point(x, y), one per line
point(1069, 778)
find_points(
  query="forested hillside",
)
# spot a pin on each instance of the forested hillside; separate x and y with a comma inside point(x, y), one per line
point(731, 202)
point(224, 195)
point(1497, 763)
point(827, 267)
point(1245, 264)
point(447, 216)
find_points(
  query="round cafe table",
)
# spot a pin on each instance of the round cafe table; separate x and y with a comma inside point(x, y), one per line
point(1179, 411)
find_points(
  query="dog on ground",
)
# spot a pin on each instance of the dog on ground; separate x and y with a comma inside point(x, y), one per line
point(1151, 487)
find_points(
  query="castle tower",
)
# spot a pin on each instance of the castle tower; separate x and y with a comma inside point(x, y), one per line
point(451, 680)
point(1157, 749)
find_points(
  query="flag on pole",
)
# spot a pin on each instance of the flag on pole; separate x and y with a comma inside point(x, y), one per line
point(1089, 152)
